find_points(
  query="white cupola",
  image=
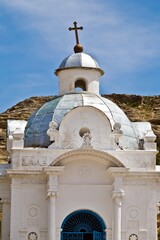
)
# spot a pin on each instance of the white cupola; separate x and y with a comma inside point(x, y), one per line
point(79, 70)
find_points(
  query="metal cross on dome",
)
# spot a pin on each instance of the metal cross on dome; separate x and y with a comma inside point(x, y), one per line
point(75, 28)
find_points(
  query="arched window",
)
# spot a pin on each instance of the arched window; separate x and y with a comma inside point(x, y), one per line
point(83, 225)
point(80, 85)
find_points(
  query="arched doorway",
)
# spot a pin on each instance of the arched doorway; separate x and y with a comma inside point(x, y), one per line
point(83, 225)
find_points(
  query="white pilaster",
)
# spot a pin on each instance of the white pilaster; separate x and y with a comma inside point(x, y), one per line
point(117, 197)
point(51, 216)
point(52, 189)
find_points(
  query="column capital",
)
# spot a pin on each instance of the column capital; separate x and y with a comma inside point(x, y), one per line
point(118, 194)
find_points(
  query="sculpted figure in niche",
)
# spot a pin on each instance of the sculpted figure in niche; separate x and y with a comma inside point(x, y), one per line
point(116, 134)
point(53, 133)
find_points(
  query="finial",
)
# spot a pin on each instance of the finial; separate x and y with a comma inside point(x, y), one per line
point(77, 47)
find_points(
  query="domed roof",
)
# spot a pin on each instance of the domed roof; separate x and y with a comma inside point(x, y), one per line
point(56, 109)
point(79, 60)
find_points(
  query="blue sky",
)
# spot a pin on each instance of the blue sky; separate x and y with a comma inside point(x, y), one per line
point(122, 35)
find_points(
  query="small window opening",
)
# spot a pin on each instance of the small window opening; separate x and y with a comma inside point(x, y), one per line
point(83, 130)
point(80, 85)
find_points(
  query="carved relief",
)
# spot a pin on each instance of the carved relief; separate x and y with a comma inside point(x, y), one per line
point(32, 236)
point(43, 161)
point(25, 160)
point(84, 172)
point(133, 237)
point(32, 216)
point(133, 219)
point(34, 160)
point(133, 213)
point(33, 212)
point(87, 141)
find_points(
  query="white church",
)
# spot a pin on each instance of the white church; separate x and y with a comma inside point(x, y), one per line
point(80, 169)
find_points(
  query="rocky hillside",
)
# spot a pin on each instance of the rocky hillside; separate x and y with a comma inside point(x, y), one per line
point(137, 108)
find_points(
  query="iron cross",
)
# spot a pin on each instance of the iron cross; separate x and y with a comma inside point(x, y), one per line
point(75, 28)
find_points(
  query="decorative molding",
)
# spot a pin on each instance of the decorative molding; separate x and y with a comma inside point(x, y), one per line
point(104, 157)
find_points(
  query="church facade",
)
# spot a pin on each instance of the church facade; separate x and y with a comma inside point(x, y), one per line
point(80, 169)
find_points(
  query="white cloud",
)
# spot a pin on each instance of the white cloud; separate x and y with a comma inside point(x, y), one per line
point(109, 32)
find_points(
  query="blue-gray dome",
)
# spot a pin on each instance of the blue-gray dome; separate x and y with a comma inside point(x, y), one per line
point(38, 123)
point(79, 60)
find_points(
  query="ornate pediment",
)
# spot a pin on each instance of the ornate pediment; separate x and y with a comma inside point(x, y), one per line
point(89, 154)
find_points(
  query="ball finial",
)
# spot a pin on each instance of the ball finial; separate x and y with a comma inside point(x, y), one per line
point(78, 48)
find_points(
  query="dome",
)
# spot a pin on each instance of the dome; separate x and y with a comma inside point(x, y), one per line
point(79, 60)
point(56, 109)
